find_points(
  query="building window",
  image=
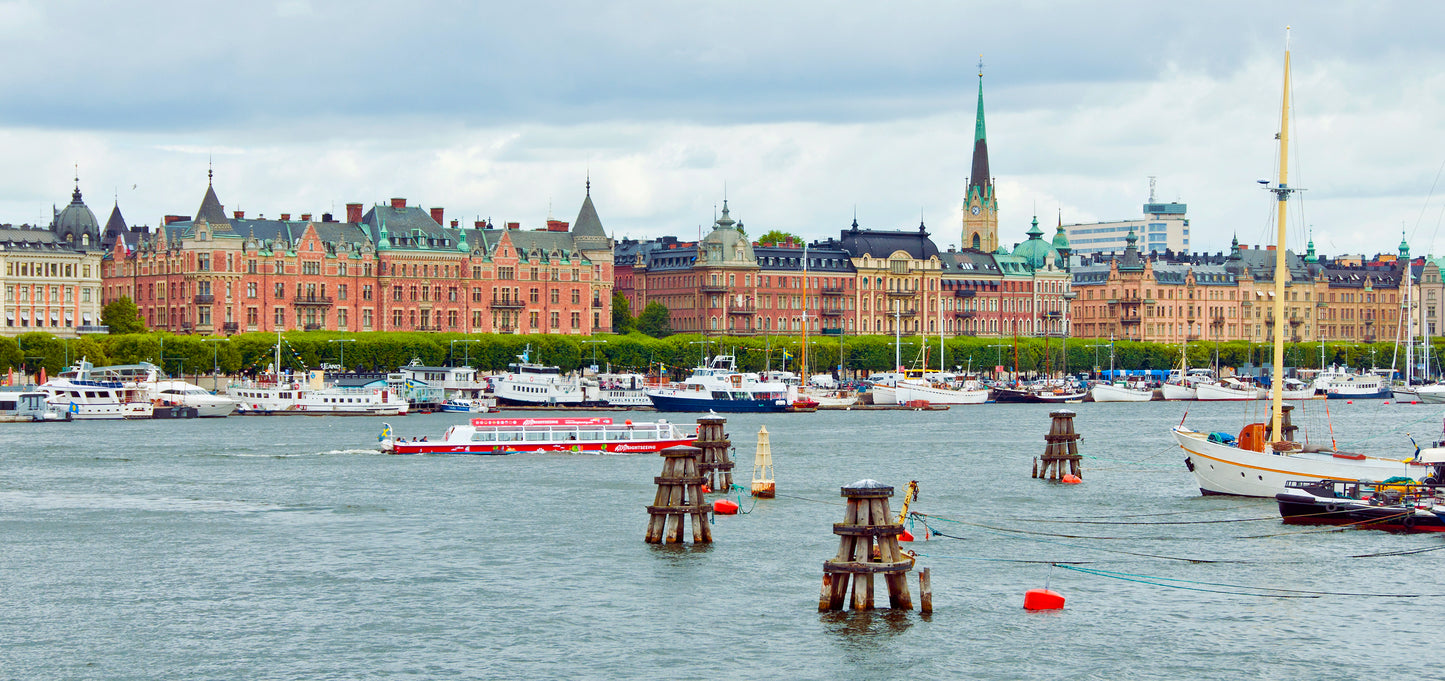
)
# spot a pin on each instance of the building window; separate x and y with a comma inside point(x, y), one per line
point(341, 292)
point(280, 290)
point(280, 320)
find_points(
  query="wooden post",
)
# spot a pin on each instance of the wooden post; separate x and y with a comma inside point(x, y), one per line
point(925, 591)
point(867, 518)
point(679, 494)
point(716, 468)
point(1062, 448)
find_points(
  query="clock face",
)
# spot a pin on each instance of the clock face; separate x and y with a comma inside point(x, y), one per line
point(975, 210)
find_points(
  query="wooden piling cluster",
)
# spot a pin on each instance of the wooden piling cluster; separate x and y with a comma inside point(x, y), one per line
point(679, 494)
point(1062, 448)
point(716, 468)
point(859, 558)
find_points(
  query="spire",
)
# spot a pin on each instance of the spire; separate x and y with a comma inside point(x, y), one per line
point(979, 177)
point(1404, 246)
point(1034, 231)
point(587, 228)
point(725, 221)
point(1310, 256)
point(1234, 248)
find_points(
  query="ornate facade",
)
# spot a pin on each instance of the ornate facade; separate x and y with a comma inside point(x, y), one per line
point(52, 275)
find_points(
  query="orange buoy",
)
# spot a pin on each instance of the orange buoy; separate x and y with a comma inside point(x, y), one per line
point(724, 507)
point(706, 489)
point(1349, 401)
point(1043, 599)
point(1071, 479)
point(905, 536)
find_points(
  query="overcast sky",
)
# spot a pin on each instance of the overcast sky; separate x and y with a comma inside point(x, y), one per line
point(804, 112)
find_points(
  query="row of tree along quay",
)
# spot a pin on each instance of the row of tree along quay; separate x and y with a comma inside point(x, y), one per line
point(674, 354)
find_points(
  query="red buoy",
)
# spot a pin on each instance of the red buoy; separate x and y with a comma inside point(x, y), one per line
point(724, 507)
point(706, 489)
point(905, 536)
point(1043, 599)
point(1071, 479)
point(1349, 401)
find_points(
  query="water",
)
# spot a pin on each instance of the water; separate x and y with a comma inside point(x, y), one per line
point(259, 548)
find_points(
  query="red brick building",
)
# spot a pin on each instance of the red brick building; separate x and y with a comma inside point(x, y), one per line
point(393, 267)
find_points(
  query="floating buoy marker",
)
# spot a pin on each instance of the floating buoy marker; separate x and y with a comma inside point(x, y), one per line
point(1044, 599)
point(724, 507)
point(905, 536)
point(1070, 479)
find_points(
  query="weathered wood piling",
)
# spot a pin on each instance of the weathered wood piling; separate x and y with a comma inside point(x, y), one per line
point(716, 468)
point(679, 494)
point(866, 519)
point(1062, 448)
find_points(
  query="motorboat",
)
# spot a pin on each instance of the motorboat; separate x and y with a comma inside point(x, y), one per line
point(1040, 393)
point(465, 406)
point(86, 394)
point(1340, 384)
point(512, 436)
point(28, 405)
point(1398, 506)
point(718, 386)
point(622, 390)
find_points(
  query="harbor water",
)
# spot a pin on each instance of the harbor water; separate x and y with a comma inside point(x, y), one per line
point(290, 547)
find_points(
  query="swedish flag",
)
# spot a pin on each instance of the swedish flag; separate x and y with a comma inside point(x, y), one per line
point(385, 433)
point(787, 355)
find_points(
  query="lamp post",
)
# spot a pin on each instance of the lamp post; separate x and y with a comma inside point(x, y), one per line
point(343, 342)
point(999, 363)
point(594, 343)
point(467, 357)
point(215, 353)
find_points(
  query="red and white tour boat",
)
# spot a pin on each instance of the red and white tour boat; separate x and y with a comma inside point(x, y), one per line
point(510, 436)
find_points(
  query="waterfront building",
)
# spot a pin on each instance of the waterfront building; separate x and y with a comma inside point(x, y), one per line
point(52, 275)
point(393, 267)
point(1164, 227)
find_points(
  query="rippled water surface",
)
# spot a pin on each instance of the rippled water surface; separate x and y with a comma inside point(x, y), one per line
point(256, 548)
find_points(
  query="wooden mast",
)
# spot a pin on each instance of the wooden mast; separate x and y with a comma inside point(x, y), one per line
point(1281, 268)
point(803, 355)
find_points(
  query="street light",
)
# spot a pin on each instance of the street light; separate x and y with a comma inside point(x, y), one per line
point(215, 353)
point(343, 341)
point(451, 355)
point(594, 343)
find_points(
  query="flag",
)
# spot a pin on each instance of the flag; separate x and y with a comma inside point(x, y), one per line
point(787, 355)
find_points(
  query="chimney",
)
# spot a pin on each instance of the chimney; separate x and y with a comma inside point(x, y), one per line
point(398, 203)
point(479, 224)
point(456, 223)
point(353, 212)
point(1269, 247)
point(306, 217)
point(514, 225)
point(556, 226)
point(326, 217)
point(285, 217)
point(239, 214)
point(437, 216)
point(176, 218)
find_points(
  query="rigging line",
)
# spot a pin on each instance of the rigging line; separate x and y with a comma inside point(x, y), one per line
point(1309, 592)
point(1425, 205)
point(1397, 553)
point(1166, 522)
point(1186, 588)
point(1334, 528)
point(816, 501)
point(1007, 560)
point(1095, 548)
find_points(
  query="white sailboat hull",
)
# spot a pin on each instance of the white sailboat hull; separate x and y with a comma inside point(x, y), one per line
point(1217, 392)
point(883, 394)
point(908, 391)
point(1227, 469)
point(1174, 391)
point(1105, 392)
point(1430, 394)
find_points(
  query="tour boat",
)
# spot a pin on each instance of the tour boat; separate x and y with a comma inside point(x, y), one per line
point(529, 384)
point(1363, 505)
point(511, 436)
point(1338, 384)
point(278, 394)
point(1265, 457)
point(623, 390)
point(719, 387)
point(83, 394)
point(461, 406)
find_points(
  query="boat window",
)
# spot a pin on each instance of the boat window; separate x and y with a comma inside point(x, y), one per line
point(536, 435)
point(615, 435)
point(720, 395)
point(484, 436)
point(590, 435)
point(508, 436)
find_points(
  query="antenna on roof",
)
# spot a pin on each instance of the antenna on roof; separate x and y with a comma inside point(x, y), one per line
point(1152, 180)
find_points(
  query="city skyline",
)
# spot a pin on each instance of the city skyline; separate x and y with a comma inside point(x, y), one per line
point(799, 117)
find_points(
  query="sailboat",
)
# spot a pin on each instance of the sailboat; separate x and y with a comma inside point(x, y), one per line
point(1264, 457)
point(940, 392)
point(1118, 390)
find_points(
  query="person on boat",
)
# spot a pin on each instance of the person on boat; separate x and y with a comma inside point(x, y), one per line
point(423, 438)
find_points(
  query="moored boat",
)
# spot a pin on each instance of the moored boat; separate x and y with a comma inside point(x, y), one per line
point(719, 387)
point(511, 436)
point(1119, 392)
point(1390, 506)
point(464, 406)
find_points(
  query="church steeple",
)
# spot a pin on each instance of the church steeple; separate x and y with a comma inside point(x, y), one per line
point(980, 205)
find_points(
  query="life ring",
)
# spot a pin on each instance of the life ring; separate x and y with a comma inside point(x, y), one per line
point(1332, 508)
point(1408, 521)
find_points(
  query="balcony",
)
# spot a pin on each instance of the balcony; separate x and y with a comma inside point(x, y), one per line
point(964, 293)
point(743, 309)
point(311, 327)
point(597, 303)
point(231, 327)
point(904, 313)
point(714, 288)
point(311, 301)
point(832, 290)
point(203, 299)
point(831, 312)
point(1053, 314)
point(508, 304)
point(964, 314)
point(1192, 337)
point(187, 327)
point(1295, 321)
point(898, 293)
point(1129, 321)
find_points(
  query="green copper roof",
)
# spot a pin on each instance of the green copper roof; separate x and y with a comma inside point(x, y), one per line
point(978, 132)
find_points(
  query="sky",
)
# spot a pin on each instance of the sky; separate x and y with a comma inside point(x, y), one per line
point(800, 114)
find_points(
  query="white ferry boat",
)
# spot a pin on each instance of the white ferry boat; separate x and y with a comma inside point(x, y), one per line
point(1340, 384)
point(510, 436)
point(623, 390)
point(164, 391)
point(83, 394)
point(277, 394)
point(528, 383)
point(719, 387)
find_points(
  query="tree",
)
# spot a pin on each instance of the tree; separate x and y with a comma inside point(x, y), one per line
point(622, 321)
point(654, 320)
point(122, 316)
point(778, 236)
point(10, 355)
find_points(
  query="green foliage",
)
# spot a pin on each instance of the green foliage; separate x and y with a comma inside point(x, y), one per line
point(622, 321)
point(122, 316)
point(777, 236)
point(10, 355)
point(655, 320)
point(41, 349)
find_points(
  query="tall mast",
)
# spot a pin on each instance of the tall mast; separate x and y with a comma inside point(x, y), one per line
point(803, 356)
point(1281, 268)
